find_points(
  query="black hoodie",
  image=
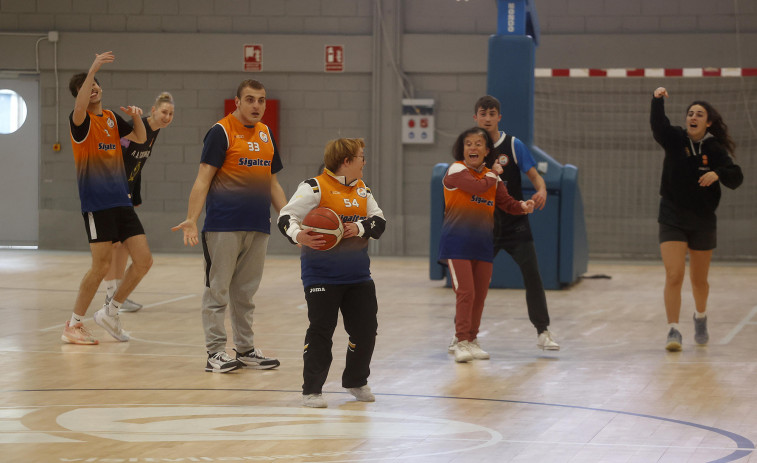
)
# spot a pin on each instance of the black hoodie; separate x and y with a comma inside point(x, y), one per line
point(684, 203)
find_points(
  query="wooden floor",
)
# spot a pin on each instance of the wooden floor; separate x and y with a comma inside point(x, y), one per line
point(612, 394)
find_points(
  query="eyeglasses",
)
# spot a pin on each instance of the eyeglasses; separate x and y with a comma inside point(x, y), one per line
point(364, 158)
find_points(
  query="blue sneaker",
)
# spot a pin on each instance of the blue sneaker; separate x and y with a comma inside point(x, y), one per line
point(701, 336)
point(674, 340)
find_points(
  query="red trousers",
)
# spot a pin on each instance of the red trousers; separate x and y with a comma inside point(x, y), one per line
point(470, 279)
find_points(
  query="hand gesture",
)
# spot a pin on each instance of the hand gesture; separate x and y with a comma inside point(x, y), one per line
point(107, 57)
point(132, 111)
point(190, 232)
point(350, 229)
point(497, 168)
point(308, 237)
point(540, 199)
point(527, 206)
point(708, 179)
point(660, 92)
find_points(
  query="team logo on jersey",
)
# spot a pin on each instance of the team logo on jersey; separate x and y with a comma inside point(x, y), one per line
point(361, 192)
point(263, 136)
point(504, 160)
point(110, 123)
point(704, 160)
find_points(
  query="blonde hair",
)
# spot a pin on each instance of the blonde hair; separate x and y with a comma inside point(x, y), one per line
point(340, 149)
point(164, 97)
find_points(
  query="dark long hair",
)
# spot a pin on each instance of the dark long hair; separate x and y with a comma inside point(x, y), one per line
point(718, 127)
point(458, 148)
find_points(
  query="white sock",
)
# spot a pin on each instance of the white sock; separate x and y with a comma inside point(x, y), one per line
point(700, 315)
point(75, 319)
point(113, 307)
point(111, 286)
point(674, 325)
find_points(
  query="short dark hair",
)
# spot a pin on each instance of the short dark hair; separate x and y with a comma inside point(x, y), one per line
point(458, 148)
point(251, 83)
point(74, 85)
point(487, 102)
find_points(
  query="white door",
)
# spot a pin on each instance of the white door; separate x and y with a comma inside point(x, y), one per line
point(19, 161)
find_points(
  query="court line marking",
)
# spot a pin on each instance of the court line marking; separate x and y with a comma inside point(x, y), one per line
point(146, 306)
point(739, 326)
point(744, 446)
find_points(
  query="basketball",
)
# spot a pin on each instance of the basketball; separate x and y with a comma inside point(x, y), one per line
point(325, 222)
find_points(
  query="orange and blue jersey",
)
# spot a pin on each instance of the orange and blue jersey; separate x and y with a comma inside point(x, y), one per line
point(468, 218)
point(99, 164)
point(348, 261)
point(239, 198)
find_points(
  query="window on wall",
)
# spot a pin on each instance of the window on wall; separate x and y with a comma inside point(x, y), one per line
point(12, 111)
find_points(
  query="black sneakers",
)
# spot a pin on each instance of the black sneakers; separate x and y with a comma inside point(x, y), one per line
point(220, 362)
point(255, 359)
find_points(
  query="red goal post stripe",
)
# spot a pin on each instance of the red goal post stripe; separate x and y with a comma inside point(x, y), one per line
point(646, 72)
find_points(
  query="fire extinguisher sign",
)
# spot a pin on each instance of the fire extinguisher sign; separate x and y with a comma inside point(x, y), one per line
point(334, 58)
point(253, 58)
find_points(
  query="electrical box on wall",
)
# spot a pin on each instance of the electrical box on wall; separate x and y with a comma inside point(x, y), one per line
point(417, 120)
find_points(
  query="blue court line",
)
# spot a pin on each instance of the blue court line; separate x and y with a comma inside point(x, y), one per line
point(744, 445)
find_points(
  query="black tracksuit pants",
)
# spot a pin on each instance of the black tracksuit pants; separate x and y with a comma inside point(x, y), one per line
point(359, 309)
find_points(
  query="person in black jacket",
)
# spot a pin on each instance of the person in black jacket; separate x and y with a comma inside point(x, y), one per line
point(697, 160)
point(135, 156)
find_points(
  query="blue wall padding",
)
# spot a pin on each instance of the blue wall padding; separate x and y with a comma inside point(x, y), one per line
point(559, 230)
point(510, 79)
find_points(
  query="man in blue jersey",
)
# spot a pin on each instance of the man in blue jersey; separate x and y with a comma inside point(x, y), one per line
point(237, 184)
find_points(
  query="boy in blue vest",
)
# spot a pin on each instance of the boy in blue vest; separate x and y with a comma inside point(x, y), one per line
point(512, 232)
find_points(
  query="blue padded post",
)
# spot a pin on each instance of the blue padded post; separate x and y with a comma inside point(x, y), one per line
point(435, 269)
point(574, 247)
point(510, 79)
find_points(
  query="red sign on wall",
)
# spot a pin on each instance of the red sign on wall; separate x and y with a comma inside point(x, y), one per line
point(253, 57)
point(334, 58)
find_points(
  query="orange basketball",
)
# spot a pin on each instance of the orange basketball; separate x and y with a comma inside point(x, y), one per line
point(325, 222)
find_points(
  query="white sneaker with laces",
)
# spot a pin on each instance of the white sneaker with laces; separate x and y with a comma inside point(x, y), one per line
point(111, 324)
point(546, 342)
point(451, 347)
point(476, 351)
point(462, 353)
point(255, 359)
point(130, 306)
point(314, 401)
point(362, 393)
point(220, 362)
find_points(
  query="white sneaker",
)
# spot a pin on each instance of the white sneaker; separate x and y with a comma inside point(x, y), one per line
point(130, 306)
point(111, 324)
point(127, 306)
point(451, 347)
point(314, 401)
point(462, 353)
point(220, 362)
point(362, 393)
point(546, 342)
point(476, 351)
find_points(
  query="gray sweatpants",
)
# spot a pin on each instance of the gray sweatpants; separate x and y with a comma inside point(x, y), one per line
point(233, 270)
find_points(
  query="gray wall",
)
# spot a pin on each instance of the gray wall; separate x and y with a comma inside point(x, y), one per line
point(193, 48)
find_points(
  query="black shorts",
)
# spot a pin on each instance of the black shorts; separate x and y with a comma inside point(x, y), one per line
point(112, 225)
point(698, 240)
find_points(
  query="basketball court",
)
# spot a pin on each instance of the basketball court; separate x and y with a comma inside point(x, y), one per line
point(611, 394)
